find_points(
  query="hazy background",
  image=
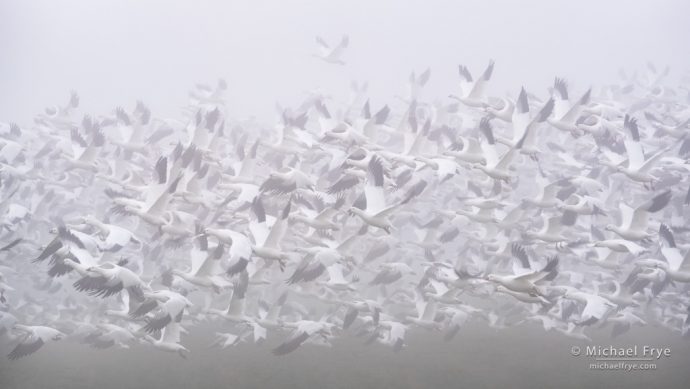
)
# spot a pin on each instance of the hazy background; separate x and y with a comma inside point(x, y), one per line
point(115, 51)
point(523, 356)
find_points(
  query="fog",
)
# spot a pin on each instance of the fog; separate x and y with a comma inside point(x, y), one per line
point(114, 52)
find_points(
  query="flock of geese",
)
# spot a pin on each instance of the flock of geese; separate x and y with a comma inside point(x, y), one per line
point(562, 208)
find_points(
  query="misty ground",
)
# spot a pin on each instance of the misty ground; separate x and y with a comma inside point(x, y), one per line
point(479, 357)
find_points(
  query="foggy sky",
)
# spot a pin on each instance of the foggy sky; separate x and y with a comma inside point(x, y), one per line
point(114, 52)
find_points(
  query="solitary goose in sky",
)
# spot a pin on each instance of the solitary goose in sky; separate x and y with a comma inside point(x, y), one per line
point(332, 54)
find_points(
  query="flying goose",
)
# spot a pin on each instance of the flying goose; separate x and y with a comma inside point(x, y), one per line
point(332, 54)
point(473, 90)
point(639, 167)
point(34, 338)
point(169, 340)
point(634, 222)
point(566, 115)
point(527, 283)
point(372, 209)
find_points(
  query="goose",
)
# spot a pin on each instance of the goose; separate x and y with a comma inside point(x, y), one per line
point(315, 261)
point(356, 306)
point(623, 321)
point(336, 279)
point(671, 253)
point(84, 154)
point(525, 126)
point(287, 180)
point(60, 116)
point(481, 215)
point(621, 246)
point(114, 237)
point(302, 330)
point(372, 209)
point(169, 340)
point(678, 131)
point(473, 91)
point(393, 334)
point(548, 193)
point(527, 283)
point(390, 272)
point(639, 167)
point(445, 167)
point(332, 54)
point(596, 308)
point(204, 95)
point(154, 210)
point(205, 270)
point(583, 205)
point(269, 316)
point(548, 323)
point(498, 169)
point(321, 221)
point(523, 297)
point(240, 247)
point(621, 296)
point(60, 246)
point(426, 313)
point(503, 111)
point(107, 279)
point(132, 131)
point(417, 82)
point(565, 115)
point(551, 232)
point(108, 335)
point(34, 338)
point(467, 150)
point(676, 266)
point(457, 317)
point(605, 258)
point(267, 242)
point(574, 331)
point(225, 340)
point(510, 219)
point(634, 222)
point(376, 127)
point(236, 309)
point(171, 306)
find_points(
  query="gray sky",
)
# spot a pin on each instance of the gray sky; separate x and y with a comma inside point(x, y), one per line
point(113, 51)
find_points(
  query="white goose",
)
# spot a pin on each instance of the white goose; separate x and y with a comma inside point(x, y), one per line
point(527, 283)
point(639, 167)
point(473, 91)
point(498, 169)
point(373, 210)
point(565, 115)
point(169, 340)
point(596, 308)
point(34, 338)
point(332, 54)
point(634, 223)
